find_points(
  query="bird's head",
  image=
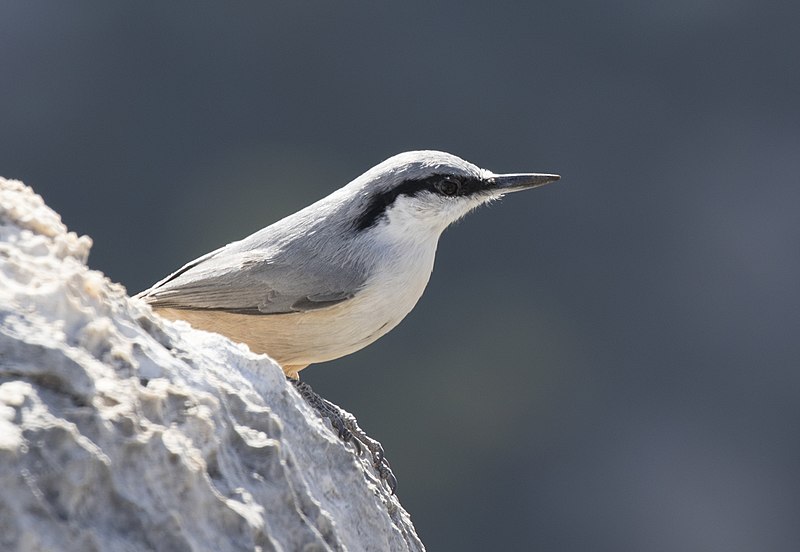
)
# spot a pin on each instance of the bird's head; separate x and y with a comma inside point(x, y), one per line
point(426, 191)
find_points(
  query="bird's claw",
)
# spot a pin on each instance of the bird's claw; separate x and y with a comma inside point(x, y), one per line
point(341, 429)
point(386, 475)
point(349, 431)
point(379, 461)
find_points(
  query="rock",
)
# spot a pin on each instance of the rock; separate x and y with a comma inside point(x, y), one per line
point(122, 431)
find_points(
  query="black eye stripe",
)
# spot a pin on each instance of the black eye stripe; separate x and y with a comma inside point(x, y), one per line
point(378, 204)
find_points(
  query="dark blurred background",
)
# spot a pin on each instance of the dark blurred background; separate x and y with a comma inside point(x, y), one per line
point(608, 363)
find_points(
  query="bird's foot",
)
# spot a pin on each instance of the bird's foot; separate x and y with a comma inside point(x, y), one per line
point(349, 431)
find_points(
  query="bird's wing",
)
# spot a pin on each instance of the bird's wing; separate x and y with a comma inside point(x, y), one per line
point(251, 282)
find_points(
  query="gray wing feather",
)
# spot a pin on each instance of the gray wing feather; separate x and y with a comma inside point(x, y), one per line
point(255, 282)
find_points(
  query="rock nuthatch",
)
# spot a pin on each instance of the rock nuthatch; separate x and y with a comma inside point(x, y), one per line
point(334, 277)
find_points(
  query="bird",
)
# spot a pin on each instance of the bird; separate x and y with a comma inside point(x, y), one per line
point(337, 275)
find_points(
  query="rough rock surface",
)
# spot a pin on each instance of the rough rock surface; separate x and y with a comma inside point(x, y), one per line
point(121, 431)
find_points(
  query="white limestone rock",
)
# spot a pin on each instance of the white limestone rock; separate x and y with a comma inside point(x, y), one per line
point(122, 431)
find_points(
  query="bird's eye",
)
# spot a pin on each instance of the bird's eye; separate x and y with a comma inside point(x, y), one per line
point(448, 186)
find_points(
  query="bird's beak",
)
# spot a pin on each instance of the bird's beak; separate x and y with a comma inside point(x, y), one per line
point(507, 183)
